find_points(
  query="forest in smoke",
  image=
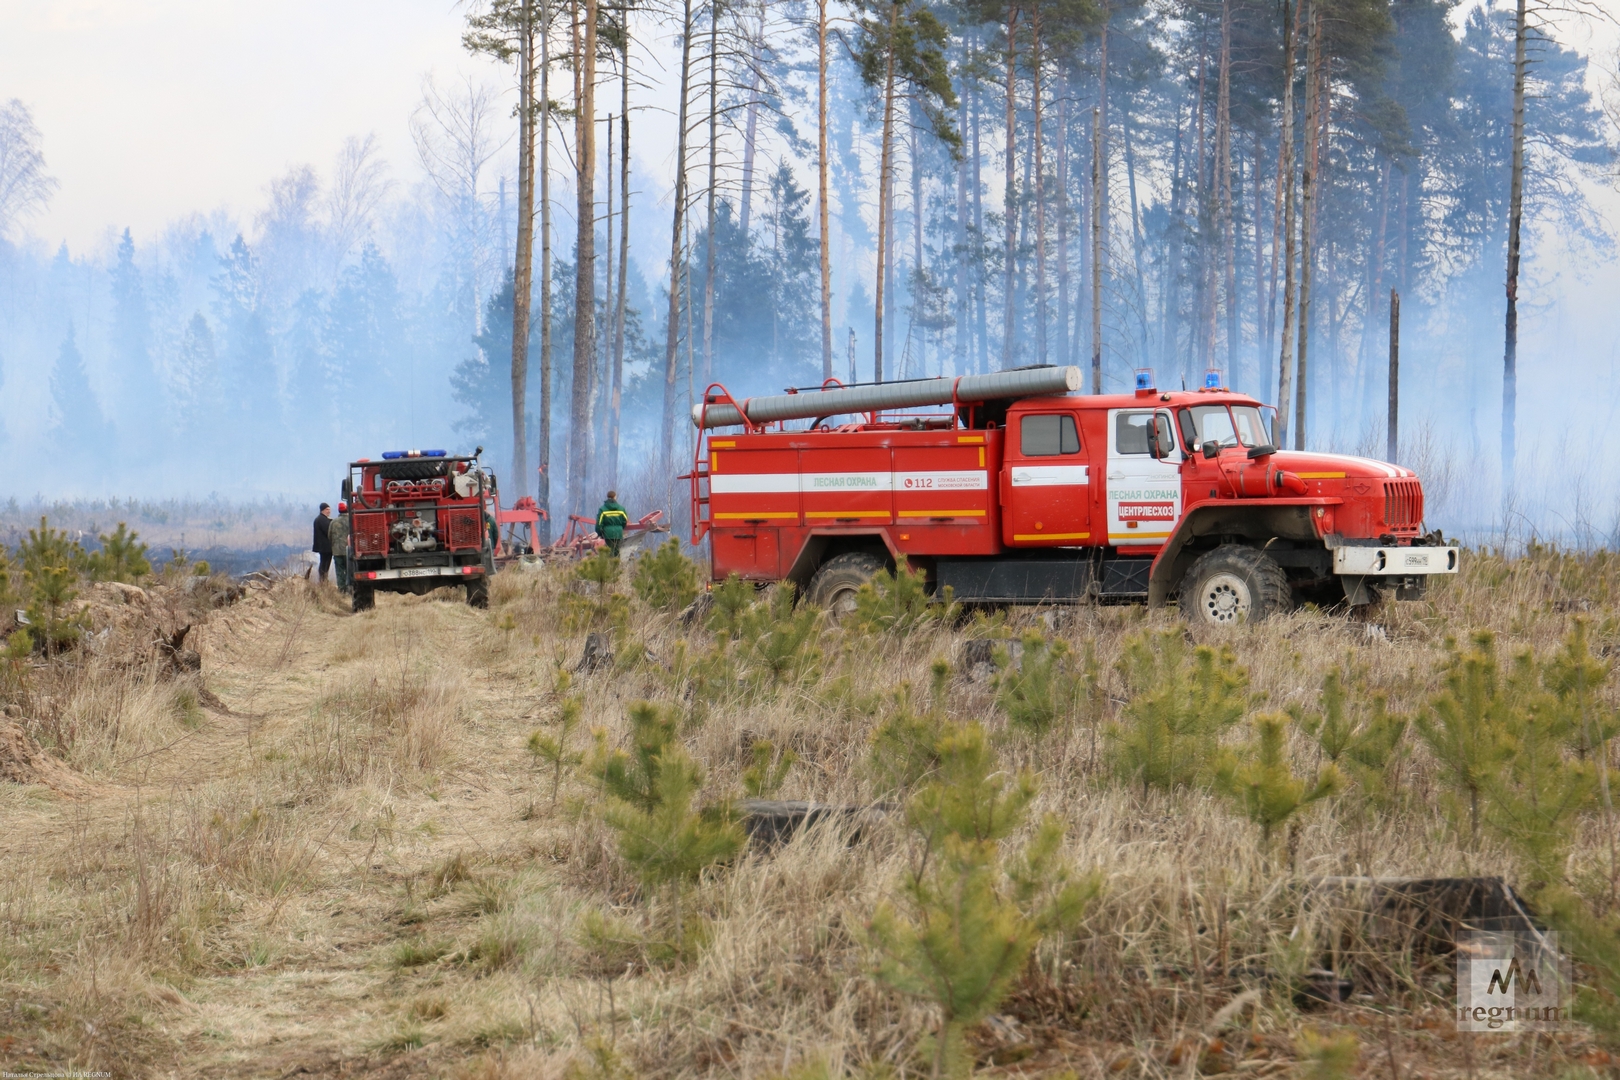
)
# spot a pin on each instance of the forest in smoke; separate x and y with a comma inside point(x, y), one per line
point(1016, 182)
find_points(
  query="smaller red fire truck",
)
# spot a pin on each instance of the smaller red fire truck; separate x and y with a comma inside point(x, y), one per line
point(1023, 491)
point(420, 520)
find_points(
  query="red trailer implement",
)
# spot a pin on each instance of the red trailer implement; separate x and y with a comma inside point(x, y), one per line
point(1026, 492)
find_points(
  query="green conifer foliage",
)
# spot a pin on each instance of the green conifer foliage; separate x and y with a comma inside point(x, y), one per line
point(122, 557)
point(1575, 677)
point(765, 776)
point(1178, 708)
point(905, 746)
point(48, 547)
point(966, 922)
point(1465, 727)
point(553, 748)
point(1259, 778)
point(1365, 744)
point(777, 637)
point(898, 603)
point(601, 568)
point(649, 803)
point(1043, 690)
point(666, 579)
point(50, 609)
point(732, 598)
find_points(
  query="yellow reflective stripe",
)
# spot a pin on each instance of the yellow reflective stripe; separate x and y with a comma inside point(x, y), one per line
point(941, 513)
point(1052, 536)
point(850, 514)
point(970, 438)
point(1320, 475)
point(753, 515)
point(721, 442)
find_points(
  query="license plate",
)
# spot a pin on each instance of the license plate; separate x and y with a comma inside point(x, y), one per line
point(421, 571)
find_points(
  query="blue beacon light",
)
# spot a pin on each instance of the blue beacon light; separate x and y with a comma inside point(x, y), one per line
point(1212, 379)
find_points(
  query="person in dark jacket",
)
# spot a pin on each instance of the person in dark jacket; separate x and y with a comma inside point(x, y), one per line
point(610, 522)
point(323, 539)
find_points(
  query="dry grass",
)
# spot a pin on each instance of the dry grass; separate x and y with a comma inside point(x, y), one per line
point(359, 869)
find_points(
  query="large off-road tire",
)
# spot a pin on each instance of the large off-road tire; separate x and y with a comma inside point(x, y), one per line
point(840, 578)
point(365, 598)
point(1234, 584)
point(478, 592)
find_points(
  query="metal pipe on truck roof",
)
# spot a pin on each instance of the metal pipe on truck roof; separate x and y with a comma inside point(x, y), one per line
point(844, 400)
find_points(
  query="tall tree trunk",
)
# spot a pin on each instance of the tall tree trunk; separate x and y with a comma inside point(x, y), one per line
point(714, 149)
point(981, 319)
point(751, 124)
point(1136, 230)
point(1040, 183)
point(523, 269)
point(672, 331)
point(1313, 104)
point(1375, 280)
point(1285, 170)
point(1171, 320)
point(1263, 317)
point(1063, 222)
point(885, 192)
point(1228, 224)
point(543, 496)
point(1205, 298)
point(624, 254)
point(959, 344)
point(1099, 200)
point(1510, 350)
point(1010, 195)
point(602, 383)
point(917, 240)
point(585, 271)
point(821, 189)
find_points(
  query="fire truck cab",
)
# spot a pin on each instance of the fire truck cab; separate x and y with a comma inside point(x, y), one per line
point(420, 520)
point(1057, 497)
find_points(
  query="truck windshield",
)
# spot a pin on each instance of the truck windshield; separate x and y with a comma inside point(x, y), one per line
point(1229, 425)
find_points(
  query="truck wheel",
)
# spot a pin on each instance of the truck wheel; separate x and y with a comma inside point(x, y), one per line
point(1234, 584)
point(364, 598)
point(840, 578)
point(478, 592)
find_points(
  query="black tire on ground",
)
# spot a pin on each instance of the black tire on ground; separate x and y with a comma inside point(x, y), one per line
point(1234, 584)
point(840, 578)
point(364, 598)
point(478, 592)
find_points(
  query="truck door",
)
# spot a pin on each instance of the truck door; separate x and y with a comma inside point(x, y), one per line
point(1047, 482)
point(1144, 492)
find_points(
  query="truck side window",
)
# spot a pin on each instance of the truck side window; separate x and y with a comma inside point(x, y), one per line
point(1046, 436)
point(1131, 432)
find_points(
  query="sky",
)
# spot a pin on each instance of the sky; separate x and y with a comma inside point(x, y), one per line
point(154, 109)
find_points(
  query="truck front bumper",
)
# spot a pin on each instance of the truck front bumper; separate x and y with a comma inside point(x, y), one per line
point(1394, 561)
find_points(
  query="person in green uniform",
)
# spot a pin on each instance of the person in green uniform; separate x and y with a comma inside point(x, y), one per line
point(338, 533)
point(610, 522)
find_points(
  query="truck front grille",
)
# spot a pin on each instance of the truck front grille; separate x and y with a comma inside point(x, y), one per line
point(1403, 502)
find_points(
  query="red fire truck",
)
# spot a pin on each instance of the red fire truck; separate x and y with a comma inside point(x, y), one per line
point(1022, 491)
point(420, 520)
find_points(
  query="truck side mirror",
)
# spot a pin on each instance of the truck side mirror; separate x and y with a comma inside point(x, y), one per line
point(1153, 442)
point(346, 489)
point(1212, 449)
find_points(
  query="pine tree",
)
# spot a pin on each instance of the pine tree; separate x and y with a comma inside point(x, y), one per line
point(650, 793)
point(1466, 726)
point(122, 557)
point(666, 579)
point(553, 749)
point(1177, 710)
point(77, 425)
point(1259, 779)
point(1042, 690)
point(969, 918)
point(141, 402)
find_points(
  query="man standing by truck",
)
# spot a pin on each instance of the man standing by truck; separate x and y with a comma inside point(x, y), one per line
point(323, 541)
point(610, 522)
point(337, 535)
